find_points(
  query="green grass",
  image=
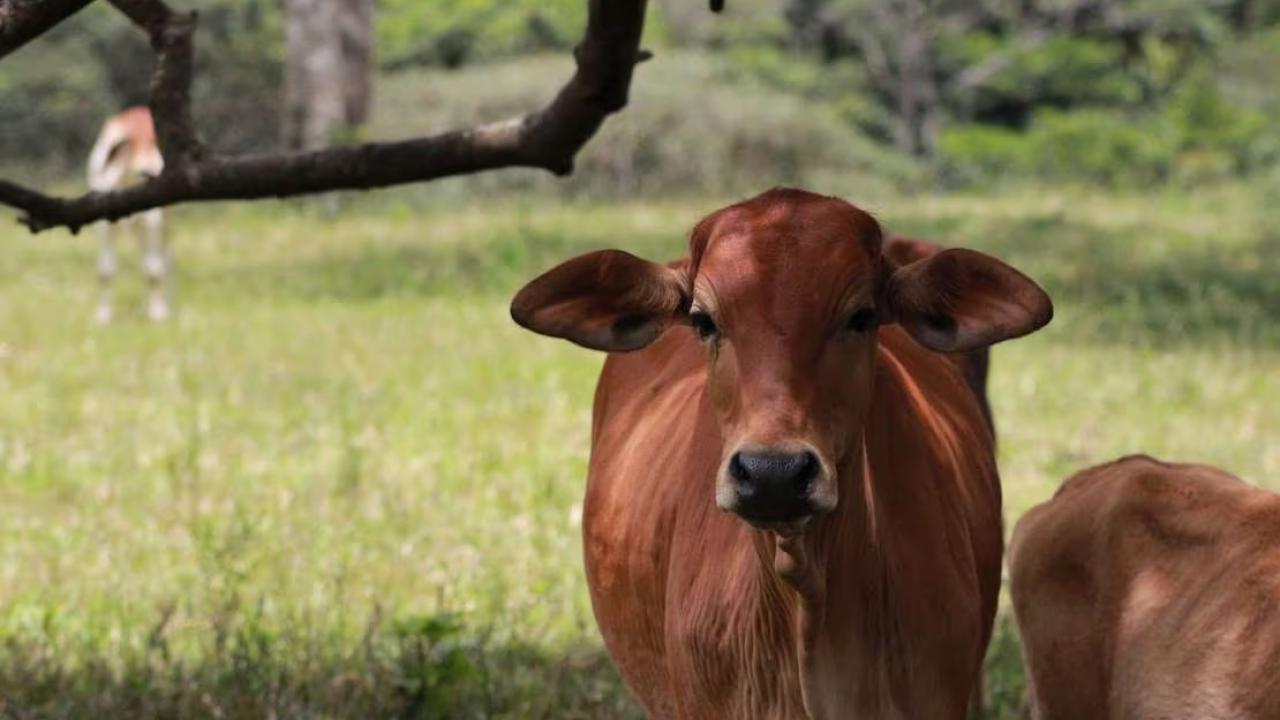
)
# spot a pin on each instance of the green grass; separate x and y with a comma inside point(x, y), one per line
point(343, 484)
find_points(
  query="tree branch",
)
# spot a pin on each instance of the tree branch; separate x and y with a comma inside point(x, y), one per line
point(22, 21)
point(170, 34)
point(549, 138)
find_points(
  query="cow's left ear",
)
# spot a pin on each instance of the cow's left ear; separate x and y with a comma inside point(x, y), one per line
point(960, 300)
point(606, 300)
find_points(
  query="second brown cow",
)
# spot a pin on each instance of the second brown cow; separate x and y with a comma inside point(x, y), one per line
point(1146, 589)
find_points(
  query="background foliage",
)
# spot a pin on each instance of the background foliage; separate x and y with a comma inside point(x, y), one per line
point(1130, 92)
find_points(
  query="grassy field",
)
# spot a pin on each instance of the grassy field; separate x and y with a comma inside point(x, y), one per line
point(343, 484)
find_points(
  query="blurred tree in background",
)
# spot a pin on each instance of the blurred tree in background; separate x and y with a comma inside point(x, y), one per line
point(1098, 91)
point(328, 70)
point(1069, 88)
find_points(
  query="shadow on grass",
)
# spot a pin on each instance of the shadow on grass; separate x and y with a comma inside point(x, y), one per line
point(423, 667)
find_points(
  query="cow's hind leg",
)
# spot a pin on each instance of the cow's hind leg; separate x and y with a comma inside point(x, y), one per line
point(108, 265)
point(156, 263)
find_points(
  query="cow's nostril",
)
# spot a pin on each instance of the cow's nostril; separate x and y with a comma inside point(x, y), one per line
point(774, 472)
point(807, 472)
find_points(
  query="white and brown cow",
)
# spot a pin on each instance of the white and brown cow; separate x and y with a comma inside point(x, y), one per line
point(125, 152)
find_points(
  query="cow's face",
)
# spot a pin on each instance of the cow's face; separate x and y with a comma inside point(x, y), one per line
point(785, 293)
point(785, 298)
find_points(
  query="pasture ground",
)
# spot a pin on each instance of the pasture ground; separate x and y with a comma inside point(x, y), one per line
point(343, 484)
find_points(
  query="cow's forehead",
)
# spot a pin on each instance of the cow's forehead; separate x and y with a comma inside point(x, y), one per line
point(786, 237)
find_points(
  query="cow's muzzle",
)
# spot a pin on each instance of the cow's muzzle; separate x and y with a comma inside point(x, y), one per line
point(775, 487)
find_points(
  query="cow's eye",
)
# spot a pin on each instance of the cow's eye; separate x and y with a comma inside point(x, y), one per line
point(863, 320)
point(703, 323)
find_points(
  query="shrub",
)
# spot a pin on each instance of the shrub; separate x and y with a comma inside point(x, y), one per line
point(1100, 146)
point(691, 126)
point(1218, 138)
point(982, 153)
point(452, 33)
point(1085, 146)
point(1198, 136)
point(1063, 72)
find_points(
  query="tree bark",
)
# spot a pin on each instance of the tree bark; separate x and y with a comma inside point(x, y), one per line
point(22, 21)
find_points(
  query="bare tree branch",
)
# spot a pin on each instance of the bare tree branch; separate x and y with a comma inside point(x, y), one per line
point(170, 34)
point(22, 21)
point(548, 139)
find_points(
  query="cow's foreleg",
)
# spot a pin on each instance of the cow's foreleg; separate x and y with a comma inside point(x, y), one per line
point(156, 263)
point(108, 264)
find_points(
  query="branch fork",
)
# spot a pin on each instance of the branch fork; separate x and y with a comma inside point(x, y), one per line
point(549, 138)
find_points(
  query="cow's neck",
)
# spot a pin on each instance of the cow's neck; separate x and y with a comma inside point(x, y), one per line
point(799, 565)
point(854, 649)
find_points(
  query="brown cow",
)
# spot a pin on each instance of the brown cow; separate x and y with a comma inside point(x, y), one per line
point(786, 373)
point(1151, 590)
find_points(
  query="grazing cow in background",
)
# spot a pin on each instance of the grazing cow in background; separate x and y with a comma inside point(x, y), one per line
point(792, 505)
point(1151, 590)
point(126, 151)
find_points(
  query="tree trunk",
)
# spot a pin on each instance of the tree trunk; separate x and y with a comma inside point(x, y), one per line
point(355, 26)
point(917, 88)
point(328, 64)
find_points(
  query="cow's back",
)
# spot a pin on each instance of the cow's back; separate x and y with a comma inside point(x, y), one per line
point(1146, 589)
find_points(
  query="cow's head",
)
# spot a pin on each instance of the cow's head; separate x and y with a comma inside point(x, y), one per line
point(785, 292)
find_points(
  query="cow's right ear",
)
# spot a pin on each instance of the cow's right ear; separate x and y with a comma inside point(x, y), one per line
point(606, 300)
point(962, 300)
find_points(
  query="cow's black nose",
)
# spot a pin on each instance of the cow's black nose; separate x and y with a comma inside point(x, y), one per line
point(773, 486)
